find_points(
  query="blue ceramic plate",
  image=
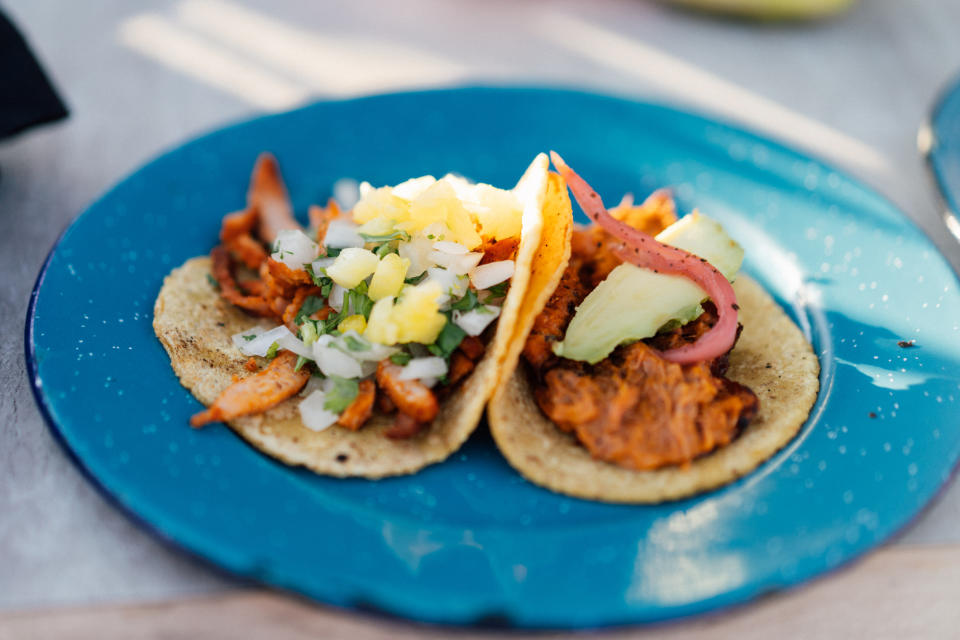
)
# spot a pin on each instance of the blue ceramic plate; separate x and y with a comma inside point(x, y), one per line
point(469, 540)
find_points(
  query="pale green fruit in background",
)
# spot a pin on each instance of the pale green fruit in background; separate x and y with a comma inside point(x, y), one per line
point(771, 9)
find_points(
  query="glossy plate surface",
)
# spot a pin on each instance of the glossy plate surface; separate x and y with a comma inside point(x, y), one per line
point(469, 540)
point(940, 142)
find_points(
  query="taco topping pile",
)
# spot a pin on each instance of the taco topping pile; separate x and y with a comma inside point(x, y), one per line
point(387, 306)
point(630, 352)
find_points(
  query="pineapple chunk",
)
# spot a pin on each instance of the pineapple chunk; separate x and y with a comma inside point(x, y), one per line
point(415, 317)
point(377, 227)
point(463, 227)
point(430, 207)
point(352, 266)
point(498, 212)
point(388, 278)
point(439, 205)
point(356, 322)
point(417, 314)
point(379, 203)
point(380, 326)
point(412, 188)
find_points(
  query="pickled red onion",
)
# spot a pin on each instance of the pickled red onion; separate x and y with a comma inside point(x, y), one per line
point(644, 251)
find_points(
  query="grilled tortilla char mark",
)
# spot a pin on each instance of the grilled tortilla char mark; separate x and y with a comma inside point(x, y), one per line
point(633, 408)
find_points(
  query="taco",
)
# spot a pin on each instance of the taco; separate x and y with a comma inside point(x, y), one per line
point(369, 343)
point(638, 372)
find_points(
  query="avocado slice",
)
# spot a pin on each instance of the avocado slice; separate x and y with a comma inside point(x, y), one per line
point(634, 303)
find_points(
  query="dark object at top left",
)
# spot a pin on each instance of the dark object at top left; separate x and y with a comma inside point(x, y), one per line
point(27, 98)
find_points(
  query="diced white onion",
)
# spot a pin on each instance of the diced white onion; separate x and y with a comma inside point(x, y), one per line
point(417, 251)
point(453, 248)
point(332, 361)
point(429, 382)
point(475, 320)
point(321, 263)
point(314, 383)
point(336, 297)
point(346, 192)
point(314, 415)
point(451, 284)
point(294, 248)
point(487, 275)
point(241, 343)
point(291, 342)
point(457, 263)
point(374, 353)
point(417, 368)
point(261, 344)
point(342, 234)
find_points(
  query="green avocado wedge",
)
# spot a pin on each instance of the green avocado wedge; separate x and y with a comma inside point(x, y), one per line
point(634, 303)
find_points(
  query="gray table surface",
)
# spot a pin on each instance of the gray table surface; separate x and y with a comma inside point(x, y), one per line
point(853, 91)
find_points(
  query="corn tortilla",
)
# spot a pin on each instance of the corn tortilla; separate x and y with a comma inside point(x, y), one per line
point(195, 326)
point(772, 357)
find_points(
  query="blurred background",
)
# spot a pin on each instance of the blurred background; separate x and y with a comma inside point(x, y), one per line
point(849, 82)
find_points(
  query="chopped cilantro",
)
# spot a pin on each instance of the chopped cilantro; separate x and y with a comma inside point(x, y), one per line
point(468, 302)
point(403, 236)
point(499, 290)
point(333, 252)
point(320, 280)
point(213, 282)
point(401, 358)
point(300, 362)
point(342, 393)
point(249, 337)
point(310, 306)
point(332, 320)
point(385, 249)
point(308, 332)
point(356, 344)
point(449, 339)
point(272, 351)
point(356, 299)
point(416, 279)
point(430, 236)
